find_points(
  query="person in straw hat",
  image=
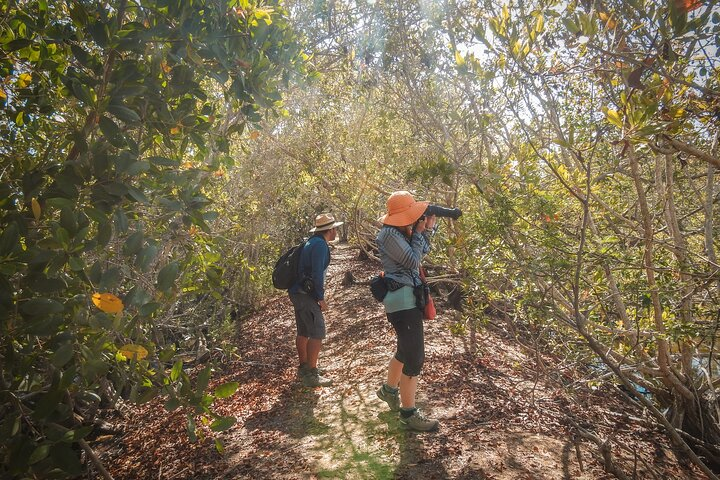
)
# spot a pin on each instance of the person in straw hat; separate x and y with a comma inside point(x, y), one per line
point(402, 241)
point(308, 298)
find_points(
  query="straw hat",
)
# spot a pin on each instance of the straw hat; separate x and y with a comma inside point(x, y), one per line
point(325, 221)
point(402, 209)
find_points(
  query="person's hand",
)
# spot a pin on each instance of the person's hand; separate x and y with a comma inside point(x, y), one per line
point(430, 222)
point(420, 225)
point(323, 305)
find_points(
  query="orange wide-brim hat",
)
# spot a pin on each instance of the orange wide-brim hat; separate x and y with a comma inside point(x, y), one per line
point(403, 209)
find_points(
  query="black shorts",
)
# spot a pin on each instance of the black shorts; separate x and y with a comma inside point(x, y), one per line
point(309, 319)
point(408, 325)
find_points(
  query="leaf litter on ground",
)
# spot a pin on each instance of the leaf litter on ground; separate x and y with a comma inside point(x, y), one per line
point(501, 416)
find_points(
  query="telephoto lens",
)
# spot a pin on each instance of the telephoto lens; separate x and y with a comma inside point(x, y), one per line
point(439, 211)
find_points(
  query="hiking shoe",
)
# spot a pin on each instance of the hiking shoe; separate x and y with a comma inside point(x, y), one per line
point(417, 421)
point(313, 379)
point(304, 369)
point(392, 399)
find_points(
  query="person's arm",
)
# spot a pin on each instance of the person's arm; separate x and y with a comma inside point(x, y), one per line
point(406, 254)
point(318, 260)
point(431, 226)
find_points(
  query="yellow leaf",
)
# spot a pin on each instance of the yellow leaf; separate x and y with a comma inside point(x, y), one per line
point(107, 302)
point(3, 95)
point(679, 113)
point(608, 20)
point(131, 350)
point(459, 59)
point(35, 208)
point(174, 130)
point(24, 79)
point(613, 117)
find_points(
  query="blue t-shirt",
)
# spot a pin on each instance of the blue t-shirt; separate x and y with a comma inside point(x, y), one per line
point(314, 260)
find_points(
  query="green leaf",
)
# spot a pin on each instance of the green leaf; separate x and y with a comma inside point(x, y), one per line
point(570, 25)
point(167, 353)
point(226, 389)
point(67, 459)
point(59, 202)
point(96, 214)
point(104, 233)
point(9, 239)
point(176, 370)
point(146, 257)
point(63, 354)
point(167, 276)
point(63, 237)
point(121, 221)
point(72, 436)
point(124, 113)
point(148, 309)
point(99, 32)
point(219, 446)
point(78, 15)
point(40, 453)
point(116, 189)
point(148, 395)
point(163, 161)
point(137, 167)
point(137, 195)
point(17, 44)
point(203, 379)
point(136, 297)
point(68, 220)
point(76, 264)
point(110, 279)
point(191, 428)
point(112, 132)
point(82, 92)
point(41, 306)
point(222, 424)
point(134, 243)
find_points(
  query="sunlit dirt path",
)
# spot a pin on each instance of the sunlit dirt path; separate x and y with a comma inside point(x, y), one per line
point(500, 419)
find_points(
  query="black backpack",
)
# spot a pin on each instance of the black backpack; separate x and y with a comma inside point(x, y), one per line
point(286, 271)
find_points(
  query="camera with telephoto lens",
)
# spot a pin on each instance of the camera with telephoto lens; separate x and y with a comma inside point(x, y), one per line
point(439, 211)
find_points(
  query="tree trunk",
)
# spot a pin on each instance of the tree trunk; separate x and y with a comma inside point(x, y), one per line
point(663, 350)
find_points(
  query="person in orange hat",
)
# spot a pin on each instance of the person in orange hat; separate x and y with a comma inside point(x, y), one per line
point(308, 298)
point(402, 241)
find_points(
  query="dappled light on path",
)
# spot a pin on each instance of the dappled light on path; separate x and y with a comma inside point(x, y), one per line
point(500, 417)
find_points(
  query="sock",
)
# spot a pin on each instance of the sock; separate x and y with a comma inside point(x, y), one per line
point(407, 412)
point(390, 389)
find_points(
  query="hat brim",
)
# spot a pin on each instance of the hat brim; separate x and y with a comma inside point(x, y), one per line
point(408, 217)
point(326, 227)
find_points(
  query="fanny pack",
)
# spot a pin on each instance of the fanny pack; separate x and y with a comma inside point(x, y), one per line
point(379, 286)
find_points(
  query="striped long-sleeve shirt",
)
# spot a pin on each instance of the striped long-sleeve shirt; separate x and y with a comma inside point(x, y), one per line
point(401, 259)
